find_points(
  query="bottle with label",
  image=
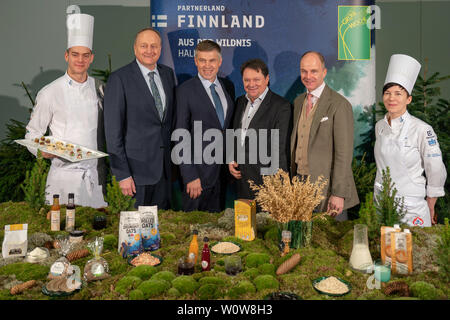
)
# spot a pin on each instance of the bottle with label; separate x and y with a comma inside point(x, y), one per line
point(55, 214)
point(193, 248)
point(206, 256)
point(70, 213)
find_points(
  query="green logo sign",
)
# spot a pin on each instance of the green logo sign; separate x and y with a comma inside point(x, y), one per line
point(353, 33)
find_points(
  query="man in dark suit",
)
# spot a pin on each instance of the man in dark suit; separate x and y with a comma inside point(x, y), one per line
point(139, 106)
point(205, 102)
point(258, 110)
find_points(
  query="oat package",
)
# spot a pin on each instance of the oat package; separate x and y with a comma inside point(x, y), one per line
point(245, 219)
point(15, 243)
point(130, 242)
point(386, 242)
point(151, 239)
point(401, 252)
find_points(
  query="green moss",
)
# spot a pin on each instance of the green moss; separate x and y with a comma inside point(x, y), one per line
point(267, 268)
point(136, 295)
point(164, 275)
point(143, 272)
point(26, 271)
point(167, 238)
point(372, 295)
point(220, 262)
point(212, 280)
point(424, 290)
point(272, 234)
point(110, 242)
point(253, 260)
point(266, 282)
point(127, 283)
point(242, 288)
point(251, 273)
point(152, 288)
point(209, 291)
point(6, 295)
point(174, 293)
point(185, 284)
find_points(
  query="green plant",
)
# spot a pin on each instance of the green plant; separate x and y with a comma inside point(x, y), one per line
point(442, 252)
point(117, 201)
point(364, 176)
point(35, 182)
point(103, 75)
point(369, 216)
point(392, 209)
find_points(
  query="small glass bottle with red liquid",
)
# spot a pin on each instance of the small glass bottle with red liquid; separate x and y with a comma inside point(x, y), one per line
point(206, 256)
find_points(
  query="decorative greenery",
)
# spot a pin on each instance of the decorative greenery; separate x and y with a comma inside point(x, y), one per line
point(443, 252)
point(117, 201)
point(369, 216)
point(364, 176)
point(103, 75)
point(391, 208)
point(35, 182)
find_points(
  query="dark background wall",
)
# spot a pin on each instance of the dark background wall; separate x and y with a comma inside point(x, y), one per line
point(33, 40)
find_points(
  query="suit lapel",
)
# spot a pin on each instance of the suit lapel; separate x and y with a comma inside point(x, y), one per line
point(230, 105)
point(165, 83)
point(262, 110)
point(206, 101)
point(240, 109)
point(140, 80)
point(322, 108)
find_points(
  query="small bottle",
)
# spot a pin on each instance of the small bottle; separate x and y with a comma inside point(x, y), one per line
point(193, 248)
point(55, 214)
point(206, 256)
point(70, 213)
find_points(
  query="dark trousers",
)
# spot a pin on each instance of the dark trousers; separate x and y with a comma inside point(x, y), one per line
point(210, 199)
point(156, 194)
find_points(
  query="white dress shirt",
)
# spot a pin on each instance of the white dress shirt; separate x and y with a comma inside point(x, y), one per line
point(250, 111)
point(158, 81)
point(207, 84)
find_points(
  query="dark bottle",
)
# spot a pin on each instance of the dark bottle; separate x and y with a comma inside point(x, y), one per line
point(70, 213)
point(206, 256)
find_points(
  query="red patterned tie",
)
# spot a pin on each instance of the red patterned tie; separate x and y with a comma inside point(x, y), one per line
point(309, 104)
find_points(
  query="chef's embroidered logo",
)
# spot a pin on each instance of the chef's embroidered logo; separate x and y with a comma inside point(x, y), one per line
point(418, 221)
point(429, 133)
point(432, 142)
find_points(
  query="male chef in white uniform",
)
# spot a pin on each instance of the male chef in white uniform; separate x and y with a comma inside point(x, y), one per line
point(69, 107)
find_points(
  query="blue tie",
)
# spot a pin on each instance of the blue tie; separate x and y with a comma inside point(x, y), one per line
point(218, 104)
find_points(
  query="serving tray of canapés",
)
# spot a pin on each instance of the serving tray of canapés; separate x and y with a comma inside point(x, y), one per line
point(64, 149)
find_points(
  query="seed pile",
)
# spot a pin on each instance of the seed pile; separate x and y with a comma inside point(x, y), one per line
point(145, 259)
point(225, 247)
point(332, 285)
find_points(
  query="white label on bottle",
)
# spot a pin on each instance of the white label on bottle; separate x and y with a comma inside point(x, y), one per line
point(57, 268)
point(55, 220)
point(204, 264)
point(70, 219)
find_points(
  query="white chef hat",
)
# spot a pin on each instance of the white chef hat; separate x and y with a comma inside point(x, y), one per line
point(80, 30)
point(403, 70)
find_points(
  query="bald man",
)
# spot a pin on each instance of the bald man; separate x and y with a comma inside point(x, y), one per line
point(322, 137)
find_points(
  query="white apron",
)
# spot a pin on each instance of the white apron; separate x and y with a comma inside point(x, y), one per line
point(389, 152)
point(80, 178)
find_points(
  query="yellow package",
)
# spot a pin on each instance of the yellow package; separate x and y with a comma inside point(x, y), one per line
point(245, 219)
point(386, 255)
point(401, 248)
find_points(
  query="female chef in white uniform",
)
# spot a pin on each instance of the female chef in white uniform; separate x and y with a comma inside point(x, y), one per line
point(408, 146)
point(69, 107)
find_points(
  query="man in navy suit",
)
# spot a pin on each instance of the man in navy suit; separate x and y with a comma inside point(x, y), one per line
point(260, 109)
point(139, 108)
point(207, 101)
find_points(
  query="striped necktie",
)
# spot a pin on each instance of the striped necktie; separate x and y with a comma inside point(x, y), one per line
point(156, 96)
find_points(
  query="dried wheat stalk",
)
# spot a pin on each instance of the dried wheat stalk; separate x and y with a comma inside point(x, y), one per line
point(288, 200)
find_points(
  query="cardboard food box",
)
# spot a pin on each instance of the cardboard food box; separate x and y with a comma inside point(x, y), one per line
point(245, 219)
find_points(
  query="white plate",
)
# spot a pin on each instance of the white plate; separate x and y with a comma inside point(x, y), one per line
point(95, 154)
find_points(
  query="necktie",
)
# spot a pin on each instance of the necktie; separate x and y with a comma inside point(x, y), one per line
point(156, 96)
point(309, 104)
point(218, 104)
